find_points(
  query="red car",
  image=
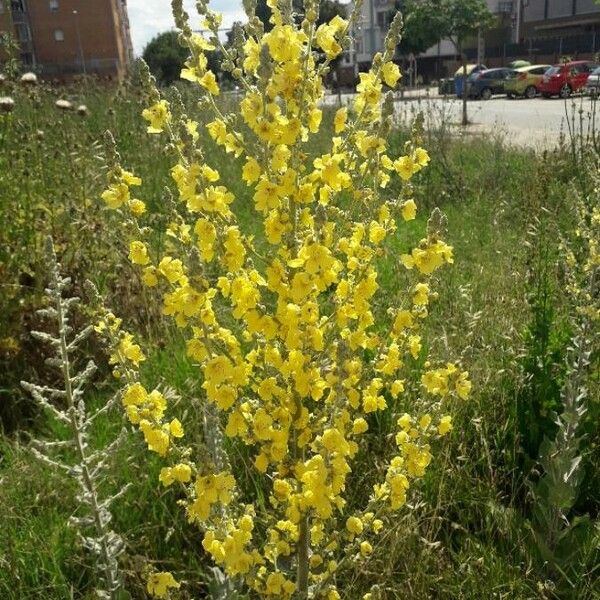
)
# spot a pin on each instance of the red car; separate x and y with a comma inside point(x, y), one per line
point(563, 80)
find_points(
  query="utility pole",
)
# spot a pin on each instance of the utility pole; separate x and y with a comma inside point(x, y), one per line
point(518, 24)
point(81, 56)
point(372, 28)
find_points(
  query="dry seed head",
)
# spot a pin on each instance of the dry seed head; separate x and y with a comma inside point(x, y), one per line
point(29, 78)
point(7, 104)
point(63, 105)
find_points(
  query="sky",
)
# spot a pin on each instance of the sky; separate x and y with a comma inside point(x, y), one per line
point(149, 17)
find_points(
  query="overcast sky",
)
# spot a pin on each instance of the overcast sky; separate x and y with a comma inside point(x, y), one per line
point(149, 17)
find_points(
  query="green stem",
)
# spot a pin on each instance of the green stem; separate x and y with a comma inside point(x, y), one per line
point(302, 571)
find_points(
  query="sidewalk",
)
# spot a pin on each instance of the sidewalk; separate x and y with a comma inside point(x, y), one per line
point(423, 93)
point(418, 93)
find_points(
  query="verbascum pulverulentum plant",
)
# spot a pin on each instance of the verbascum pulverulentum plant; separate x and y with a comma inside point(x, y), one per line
point(566, 542)
point(73, 455)
point(296, 349)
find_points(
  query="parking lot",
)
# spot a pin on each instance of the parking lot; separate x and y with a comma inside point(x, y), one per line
point(536, 123)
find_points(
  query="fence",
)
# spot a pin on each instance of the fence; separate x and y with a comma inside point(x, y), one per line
point(571, 45)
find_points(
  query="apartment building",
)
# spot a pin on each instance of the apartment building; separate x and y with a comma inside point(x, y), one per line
point(376, 15)
point(369, 32)
point(545, 18)
point(538, 30)
point(64, 38)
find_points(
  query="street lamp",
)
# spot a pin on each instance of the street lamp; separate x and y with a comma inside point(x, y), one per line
point(81, 57)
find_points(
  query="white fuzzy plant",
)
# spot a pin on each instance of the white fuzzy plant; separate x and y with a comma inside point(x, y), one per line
point(73, 455)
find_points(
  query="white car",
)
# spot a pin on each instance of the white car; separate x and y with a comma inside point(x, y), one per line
point(592, 85)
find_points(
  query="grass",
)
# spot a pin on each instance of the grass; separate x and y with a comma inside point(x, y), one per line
point(466, 535)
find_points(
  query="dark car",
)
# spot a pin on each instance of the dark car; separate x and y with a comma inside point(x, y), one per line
point(563, 80)
point(487, 83)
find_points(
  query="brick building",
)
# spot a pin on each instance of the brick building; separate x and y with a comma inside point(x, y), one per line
point(63, 38)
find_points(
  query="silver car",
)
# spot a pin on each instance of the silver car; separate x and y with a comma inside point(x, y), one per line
point(592, 85)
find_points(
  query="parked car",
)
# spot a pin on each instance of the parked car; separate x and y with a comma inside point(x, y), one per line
point(526, 81)
point(459, 78)
point(592, 85)
point(563, 80)
point(485, 84)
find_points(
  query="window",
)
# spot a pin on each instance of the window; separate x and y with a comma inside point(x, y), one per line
point(59, 35)
point(383, 19)
point(53, 5)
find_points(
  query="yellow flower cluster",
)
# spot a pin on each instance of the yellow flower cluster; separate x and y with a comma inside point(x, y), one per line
point(118, 193)
point(287, 330)
point(158, 584)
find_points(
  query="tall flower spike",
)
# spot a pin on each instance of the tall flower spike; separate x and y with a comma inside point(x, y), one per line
point(288, 326)
point(67, 405)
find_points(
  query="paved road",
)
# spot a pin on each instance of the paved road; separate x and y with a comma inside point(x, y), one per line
point(535, 123)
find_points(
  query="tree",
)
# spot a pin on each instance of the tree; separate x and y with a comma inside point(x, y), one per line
point(165, 57)
point(455, 20)
point(421, 30)
point(328, 9)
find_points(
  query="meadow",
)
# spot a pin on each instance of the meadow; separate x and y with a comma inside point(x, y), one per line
point(489, 520)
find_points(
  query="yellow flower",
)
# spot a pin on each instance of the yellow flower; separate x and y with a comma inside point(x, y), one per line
point(209, 81)
point(314, 120)
point(138, 253)
point(175, 428)
point(326, 41)
point(285, 43)
point(463, 386)
point(149, 277)
point(129, 179)
point(409, 210)
point(414, 342)
point(406, 167)
point(130, 350)
point(251, 171)
point(116, 195)
point(359, 426)
point(156, 438)
point(421, 157)
point(171, 269)
point(135, 395)
point(445, 425)
point(158, 116)
point(158, 584)
point(137, 207)
point(252, 51)
point(354, 525)
point(340, 119)
point(366, 549)
point(180, 472)
point(391, 74)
